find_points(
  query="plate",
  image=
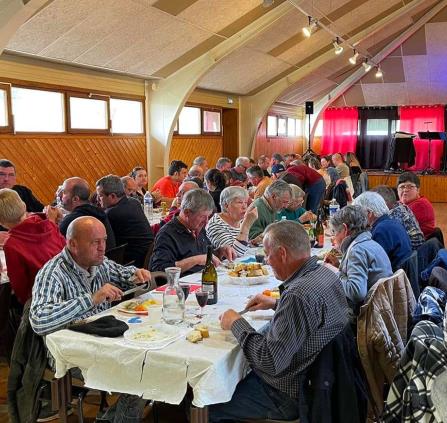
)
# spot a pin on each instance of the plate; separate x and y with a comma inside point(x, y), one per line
point(247, 281)
point(152, 336)
point(128, 307)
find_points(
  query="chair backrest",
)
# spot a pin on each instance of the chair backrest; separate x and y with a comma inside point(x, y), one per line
point(147, 259)
point(411, 269)
point(382, 330)
point(427, 252)
point(437, 233)
point(117, 254)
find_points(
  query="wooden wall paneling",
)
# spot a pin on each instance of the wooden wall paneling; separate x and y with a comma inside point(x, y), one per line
point(230, 127)
point(43, 162)
point(188, 148)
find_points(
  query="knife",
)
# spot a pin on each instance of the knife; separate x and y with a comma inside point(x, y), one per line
point(245, 310)
point(143, 286)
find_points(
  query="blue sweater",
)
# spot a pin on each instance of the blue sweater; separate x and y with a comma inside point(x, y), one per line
point(393, 238)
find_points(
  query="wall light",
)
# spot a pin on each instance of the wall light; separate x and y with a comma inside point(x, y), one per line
point(353, 59)
point(366, 65)
point(379, 72)
point(338, 48)
point(311, 28)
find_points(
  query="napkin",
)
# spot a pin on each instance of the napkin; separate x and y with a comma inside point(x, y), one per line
point(107, 326)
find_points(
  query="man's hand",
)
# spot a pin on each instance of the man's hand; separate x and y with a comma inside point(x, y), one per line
point(53, 213)
point(4, 235)
point(107, 292)
point(258, 240)
point(332, 260)
point(156, 195)
point(141, 276)
point(201, 260)
point(228, 318)
point(226, 251)
point(261, 302)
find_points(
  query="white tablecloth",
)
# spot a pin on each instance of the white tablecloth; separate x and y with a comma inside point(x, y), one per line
point(212, 367)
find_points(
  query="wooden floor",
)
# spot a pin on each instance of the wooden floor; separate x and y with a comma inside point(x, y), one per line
point(167, 414)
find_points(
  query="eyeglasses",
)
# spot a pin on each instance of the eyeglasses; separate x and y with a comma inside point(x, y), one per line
point(406, 187)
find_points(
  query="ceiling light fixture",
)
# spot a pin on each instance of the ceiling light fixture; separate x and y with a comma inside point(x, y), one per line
point(379, 72)
point(310, 29)
point(366, 66)
point(338, 48)
point(353, 59)
point(267, 3)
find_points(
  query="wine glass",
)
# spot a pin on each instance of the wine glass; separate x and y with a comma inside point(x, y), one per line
point(202, 298)
point(185, 287)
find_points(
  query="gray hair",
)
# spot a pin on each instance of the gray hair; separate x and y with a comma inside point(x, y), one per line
point(354, 217)
point(111, 184)
point(278, 188)
point(222, 162)
point(297, 192)
point(387, 193)
point(291, 235)
point(277, 156)
point(197, 200)
point(195, 171)
point(198, 161)
point(255, 171)
point(372, 202)
point(241, 161)
point(230, 194)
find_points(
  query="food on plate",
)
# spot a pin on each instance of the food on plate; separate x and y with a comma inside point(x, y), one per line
point(194, 336)
point(140, 305)
point(250, 269)
point(274, 293)
point(203, 329)
point(148, 335)
point(332, 252)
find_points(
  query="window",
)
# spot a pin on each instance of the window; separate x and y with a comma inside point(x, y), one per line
point(127, 116)
point(377, 127)
point(298, 128)
point(5, 109)
point(282, 126)
point(189, 121)
point(211, 122)
point(88, 113)
point(37, 110)
point(290, 127)
point(272, 126)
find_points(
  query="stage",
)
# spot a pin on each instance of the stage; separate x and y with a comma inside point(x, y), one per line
point(434, 187)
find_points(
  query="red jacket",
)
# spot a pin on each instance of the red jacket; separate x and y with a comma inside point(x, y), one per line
point(30, 245)
point(425, 214)
point(305, 174)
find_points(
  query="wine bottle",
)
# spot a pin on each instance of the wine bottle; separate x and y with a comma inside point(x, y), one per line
point(209, 278)
point(319, 230)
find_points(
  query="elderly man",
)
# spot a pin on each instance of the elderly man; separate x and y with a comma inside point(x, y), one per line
point(264, 164)
point(196, 175)
point(340, 166)
point(201, 162)
point(81, 282)
point(130, 186)
point(387, 232)
point(182, 242)
point(127, 219)
point(276, 197)
point(223, 164)
point(259, 181)
point(238, 172)
point(311, 311)
point(75, 195)
point(277, 165)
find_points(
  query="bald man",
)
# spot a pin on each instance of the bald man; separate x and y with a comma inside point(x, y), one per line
point(75, 198)
point(130, 187)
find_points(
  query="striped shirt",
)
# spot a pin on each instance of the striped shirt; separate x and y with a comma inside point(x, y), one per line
point(220, 233)
point(62, 291)
point(312, 310)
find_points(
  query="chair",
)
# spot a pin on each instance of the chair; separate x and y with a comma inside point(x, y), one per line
point(410, 267)
point(147, 259)
point(10, 316)
point(426, 254)
point(382, 331)
point(437, 233)
point(116, 254)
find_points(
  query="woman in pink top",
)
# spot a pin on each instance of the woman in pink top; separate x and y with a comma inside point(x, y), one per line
point(408, 185)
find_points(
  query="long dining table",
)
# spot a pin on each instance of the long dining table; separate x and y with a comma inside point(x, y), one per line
point(211, 368)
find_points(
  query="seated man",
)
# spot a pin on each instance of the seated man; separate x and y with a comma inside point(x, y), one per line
point(311, 311)
point(387, 232)
point(258, 180)
point(408, 185)
point(201, 162)
point(196, 175)
point(81, 282)
point(223, 164)
point(238, 172)
point(168, 185)
point(75, 198)
point(32, 241)
point(340, 166)
point(264, 164)
point(276, 197)
point(130, 187)
point(182, 242)
point(127, 219)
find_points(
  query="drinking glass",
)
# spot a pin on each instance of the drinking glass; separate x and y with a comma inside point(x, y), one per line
point(185, 287)
point(202, 298)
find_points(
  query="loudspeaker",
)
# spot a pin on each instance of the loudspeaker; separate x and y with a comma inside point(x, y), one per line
point(309, 107)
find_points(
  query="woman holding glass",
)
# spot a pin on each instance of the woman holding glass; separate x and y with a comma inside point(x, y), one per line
point(232, 225)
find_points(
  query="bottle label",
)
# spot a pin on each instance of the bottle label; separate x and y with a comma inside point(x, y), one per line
point(210, 289)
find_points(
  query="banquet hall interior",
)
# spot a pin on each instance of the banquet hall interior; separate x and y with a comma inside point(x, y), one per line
point(90, 88)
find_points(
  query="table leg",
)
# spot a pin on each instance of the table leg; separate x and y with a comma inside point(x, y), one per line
point(199, 415)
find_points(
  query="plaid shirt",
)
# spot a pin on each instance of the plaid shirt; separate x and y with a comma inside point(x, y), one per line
point(62, 291)
point(424, 359)
point(403, 213)
point(312, 310)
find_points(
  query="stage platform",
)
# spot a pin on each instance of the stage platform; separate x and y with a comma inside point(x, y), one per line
point(434, 187)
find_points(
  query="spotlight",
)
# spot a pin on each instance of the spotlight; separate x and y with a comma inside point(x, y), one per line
point(267, 3)
point(353, 59)
point(366, 66)
point(338, 48)
point(379, 72)
point(311, 28)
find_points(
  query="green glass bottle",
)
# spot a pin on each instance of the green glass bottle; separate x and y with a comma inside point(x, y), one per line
point(209, 278)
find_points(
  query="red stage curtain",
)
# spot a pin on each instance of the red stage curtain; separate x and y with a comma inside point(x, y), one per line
point(340, 126)
point(412, 120)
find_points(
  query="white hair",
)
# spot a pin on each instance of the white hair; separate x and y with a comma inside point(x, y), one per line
point(240, 161)
point(230, 194)
point(372, 202)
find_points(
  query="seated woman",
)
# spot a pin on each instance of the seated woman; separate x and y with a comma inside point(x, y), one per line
point(32, 241)
point(363, 260)
point(216, 183)
point(295, 211)
point(139, 174)
point(231, 227)
point(408, 185)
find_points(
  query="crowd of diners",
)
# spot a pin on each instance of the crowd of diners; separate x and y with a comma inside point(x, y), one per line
point(56, 254)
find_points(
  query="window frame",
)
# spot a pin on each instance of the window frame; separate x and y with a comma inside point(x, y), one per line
point(76, 94)
point(285, 133)
point(215, 110)
point(10, 127)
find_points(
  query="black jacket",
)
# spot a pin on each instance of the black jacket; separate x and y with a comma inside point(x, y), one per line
point(32, 203)
point(27, 366)
point(89, 210)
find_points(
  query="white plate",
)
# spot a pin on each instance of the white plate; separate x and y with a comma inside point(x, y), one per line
point(155, 336)
point(247, 281)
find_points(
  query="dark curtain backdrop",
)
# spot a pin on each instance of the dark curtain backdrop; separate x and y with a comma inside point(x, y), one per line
point(372, 150)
